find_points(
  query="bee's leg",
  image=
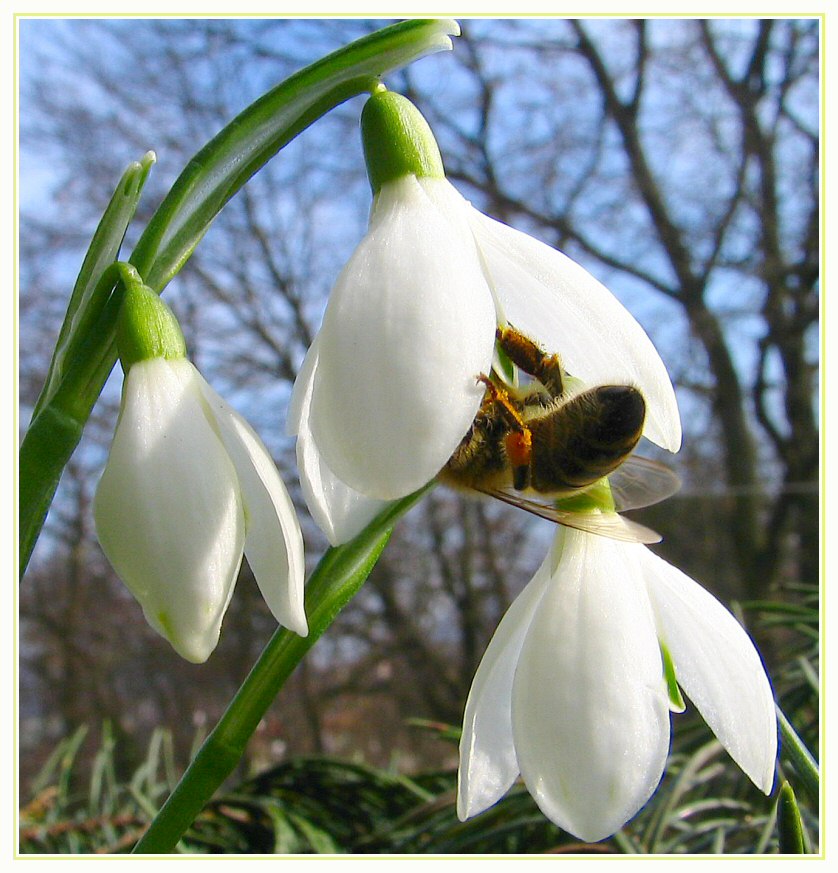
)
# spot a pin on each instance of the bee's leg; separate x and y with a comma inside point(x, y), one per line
point(496, 396)
point(518, 442)
point(527, 356)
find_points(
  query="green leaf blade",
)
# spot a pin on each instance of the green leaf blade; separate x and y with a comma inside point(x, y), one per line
point(789, 824)
point(103, 251)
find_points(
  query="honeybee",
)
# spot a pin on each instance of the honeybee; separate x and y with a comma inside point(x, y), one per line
point(561, 455)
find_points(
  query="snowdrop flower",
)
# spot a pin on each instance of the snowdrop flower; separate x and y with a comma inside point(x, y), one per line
point(572, 692)
point(187, 490)
point(388, 387)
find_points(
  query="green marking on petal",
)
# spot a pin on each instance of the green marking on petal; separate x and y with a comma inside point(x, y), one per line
point(166, 625)
point(676, 701)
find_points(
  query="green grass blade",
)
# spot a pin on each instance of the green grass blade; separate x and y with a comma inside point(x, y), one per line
point(789, 825)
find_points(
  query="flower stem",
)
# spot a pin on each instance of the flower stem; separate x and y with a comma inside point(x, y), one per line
point(335, 580)
point(799, 756)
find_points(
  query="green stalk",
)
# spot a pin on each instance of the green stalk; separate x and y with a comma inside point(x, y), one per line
point(336, 579)
point(87, 352)
point(56, 429)
point(795, 751)
point(220, 169)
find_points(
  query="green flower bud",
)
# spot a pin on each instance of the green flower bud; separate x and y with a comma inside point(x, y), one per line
point(146, 327)
point(397, 140)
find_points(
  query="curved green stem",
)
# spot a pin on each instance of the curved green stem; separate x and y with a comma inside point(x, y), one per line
point(336, 579)
point(795, 751)
point(222, 167)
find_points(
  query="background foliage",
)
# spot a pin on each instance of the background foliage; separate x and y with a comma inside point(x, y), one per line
point(677, 159)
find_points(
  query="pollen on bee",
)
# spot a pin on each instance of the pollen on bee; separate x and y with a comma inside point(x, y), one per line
point(519, 447)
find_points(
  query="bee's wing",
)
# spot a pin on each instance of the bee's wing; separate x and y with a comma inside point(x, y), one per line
point(605, 524)
point(639, 482)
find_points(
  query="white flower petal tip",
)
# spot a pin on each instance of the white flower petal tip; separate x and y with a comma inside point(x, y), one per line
point(446, 28)
point(338, 510)
point(572, 688)
point(187, 488)
point(718, 667)
point(274, 542)
point(194, 642)
point(557, 302)
point(449, 26)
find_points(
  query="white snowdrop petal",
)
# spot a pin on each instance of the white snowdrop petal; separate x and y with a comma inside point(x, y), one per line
point(167, 508)
point(590, 714)
point(409, 326)
point(557, 302)
point(338, 510)
point(717, 666)
point(488, 765)
point(274, 541)
point(300, 403)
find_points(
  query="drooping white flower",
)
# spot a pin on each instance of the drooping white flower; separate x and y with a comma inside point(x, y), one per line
point(571, 692)
point(403, 338)
point(188, 489)
point(389, 387)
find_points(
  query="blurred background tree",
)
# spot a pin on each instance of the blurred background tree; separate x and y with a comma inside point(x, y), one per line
point(677, 159)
